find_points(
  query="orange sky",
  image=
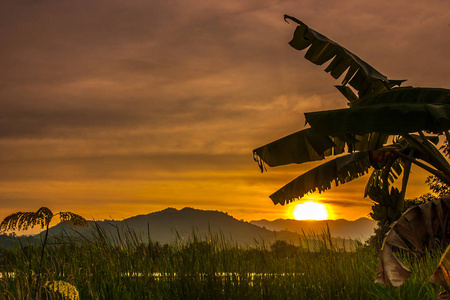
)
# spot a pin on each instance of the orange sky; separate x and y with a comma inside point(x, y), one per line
point(115, 108)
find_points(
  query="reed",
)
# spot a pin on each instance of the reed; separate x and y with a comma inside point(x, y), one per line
point(205, 267)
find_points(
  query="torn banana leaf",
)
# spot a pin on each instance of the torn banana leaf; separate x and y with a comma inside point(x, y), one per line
point(407, 95)
point(417, 229)
point(360, 75)
point(442, 274)
point(340, 170)
point(398, 118)
point(307, 145)
point(299, 147)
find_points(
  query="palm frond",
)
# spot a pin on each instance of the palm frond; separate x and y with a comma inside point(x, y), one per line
point(340, 170)
point(72, 219)
point(26, 220)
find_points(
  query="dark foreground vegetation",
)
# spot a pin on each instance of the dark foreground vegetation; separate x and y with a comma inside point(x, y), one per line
point(209, 267)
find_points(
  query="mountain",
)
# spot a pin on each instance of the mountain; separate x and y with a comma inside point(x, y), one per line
point(360, 229)
point(164, 226)
point(6, 241)
point(167, 225)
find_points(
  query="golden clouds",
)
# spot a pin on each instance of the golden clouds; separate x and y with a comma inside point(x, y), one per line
point(116, 108)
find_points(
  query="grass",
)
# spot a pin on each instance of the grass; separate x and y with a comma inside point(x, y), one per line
point(207, 267)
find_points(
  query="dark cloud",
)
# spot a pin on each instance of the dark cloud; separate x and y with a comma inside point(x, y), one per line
point(155, 167)
point(347, 203)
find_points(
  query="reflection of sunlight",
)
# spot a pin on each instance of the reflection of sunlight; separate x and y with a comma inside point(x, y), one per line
point(310, 210)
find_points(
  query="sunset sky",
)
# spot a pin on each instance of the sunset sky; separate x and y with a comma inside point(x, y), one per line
point(115, 108)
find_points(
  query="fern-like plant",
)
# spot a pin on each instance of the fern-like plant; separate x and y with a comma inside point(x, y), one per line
point(42, 217)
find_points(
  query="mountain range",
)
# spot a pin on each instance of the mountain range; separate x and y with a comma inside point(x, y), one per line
point(170, 224)
point(360, 229)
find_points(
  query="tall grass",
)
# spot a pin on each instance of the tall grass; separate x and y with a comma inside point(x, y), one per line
point(206, 267)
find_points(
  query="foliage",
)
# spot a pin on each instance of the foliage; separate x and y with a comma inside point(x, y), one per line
point(360, 75)
point(379, 113)
point(283, 249)
point(42, 217)
point(437, 186)
point(379, 110)
point(439, 189)
point(440, 276)
point(341, 170)
point(25, 220)
point(207, 267)
point(421, 227)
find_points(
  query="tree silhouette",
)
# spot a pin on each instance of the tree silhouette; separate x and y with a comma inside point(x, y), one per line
point(378, 113)
point(386, 128)
point(42, 217)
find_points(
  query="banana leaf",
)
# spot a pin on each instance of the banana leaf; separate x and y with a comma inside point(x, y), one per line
point(375, 180)
point(415, 230)
point(347, 93)
point(442, 275)
point(299, 147)
point(396, 118)
point(360, 75)
point(307, 145)
point(370, 141)
point(391, 270)
point(406, 95)
point(340, 170)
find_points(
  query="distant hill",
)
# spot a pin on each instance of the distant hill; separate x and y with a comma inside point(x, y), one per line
point(360, 229)
point(7, 241)
point(164, 226)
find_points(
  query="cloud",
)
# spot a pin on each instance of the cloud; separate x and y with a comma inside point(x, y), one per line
point(111, 90)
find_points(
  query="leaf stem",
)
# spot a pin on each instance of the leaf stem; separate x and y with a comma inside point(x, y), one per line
point(435, 172)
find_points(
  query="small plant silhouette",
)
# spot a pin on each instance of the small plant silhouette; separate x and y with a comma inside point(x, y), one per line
point(42, 217)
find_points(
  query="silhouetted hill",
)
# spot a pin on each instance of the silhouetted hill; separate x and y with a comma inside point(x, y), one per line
point(164, 226)
point(359, 229)
point(7, 241)
point(167, 225)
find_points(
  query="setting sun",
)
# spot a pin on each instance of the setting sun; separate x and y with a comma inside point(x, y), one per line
point(310, 211)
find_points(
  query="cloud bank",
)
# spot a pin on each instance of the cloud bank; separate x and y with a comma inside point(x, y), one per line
point(117, 108)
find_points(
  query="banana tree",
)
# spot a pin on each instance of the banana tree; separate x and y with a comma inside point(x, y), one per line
point(386, 128)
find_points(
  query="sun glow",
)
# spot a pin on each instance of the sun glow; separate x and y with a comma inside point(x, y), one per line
point(310, 211)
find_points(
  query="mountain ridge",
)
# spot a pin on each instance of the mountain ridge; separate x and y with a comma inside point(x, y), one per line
point(361, 228)
point(170, 224)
